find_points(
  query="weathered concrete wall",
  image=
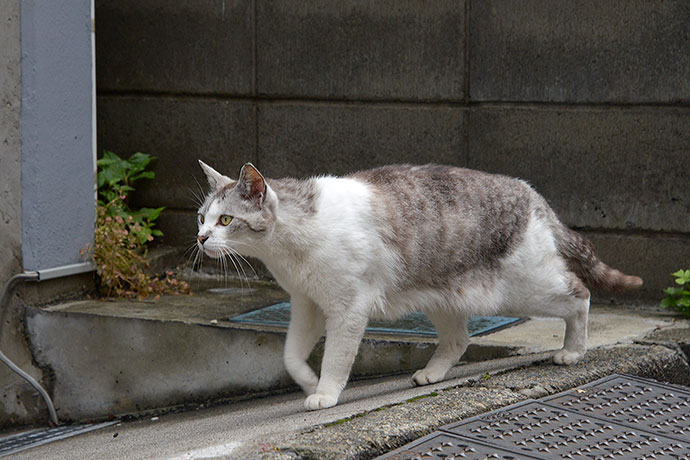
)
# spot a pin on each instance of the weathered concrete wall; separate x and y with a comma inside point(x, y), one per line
point(590, 102)
point(19, 403)
point(10, 141)
point(124, 364)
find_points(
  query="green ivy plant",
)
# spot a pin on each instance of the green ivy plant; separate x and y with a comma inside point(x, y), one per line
point(115, 178)
point(678, 297)
point(119, 249)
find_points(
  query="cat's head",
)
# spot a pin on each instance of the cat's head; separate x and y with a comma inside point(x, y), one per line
point(236, 214)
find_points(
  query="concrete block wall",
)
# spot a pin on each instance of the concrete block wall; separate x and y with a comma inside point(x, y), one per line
point(588, 101)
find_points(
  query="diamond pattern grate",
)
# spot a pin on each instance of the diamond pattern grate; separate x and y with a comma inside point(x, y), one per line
point(660, 409)
point(618, 417)
point(34, 438)
point(448, 447)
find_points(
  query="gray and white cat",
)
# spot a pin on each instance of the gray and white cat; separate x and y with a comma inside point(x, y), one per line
point(381, 243)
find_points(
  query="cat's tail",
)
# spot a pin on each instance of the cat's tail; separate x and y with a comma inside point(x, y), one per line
point(579, 254)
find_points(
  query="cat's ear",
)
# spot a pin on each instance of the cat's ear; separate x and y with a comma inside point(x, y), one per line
point(215, 179)
point(252, 185)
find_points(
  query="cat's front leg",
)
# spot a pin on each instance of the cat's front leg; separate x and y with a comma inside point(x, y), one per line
point(344, 331)
point(307, 324)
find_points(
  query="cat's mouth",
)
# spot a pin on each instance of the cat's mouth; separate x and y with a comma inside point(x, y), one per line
point(213, 253)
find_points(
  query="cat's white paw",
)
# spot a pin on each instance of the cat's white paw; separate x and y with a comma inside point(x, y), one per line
point(426, 376)
point(319, 401)
point(566, 357)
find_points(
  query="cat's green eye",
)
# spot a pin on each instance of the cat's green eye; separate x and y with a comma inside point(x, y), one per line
point(225, 219)
point(201, 218)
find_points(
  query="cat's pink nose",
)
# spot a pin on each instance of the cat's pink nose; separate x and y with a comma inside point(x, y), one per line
point(202, 238)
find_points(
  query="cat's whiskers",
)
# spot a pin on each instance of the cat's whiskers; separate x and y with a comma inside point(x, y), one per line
point(198, 196)
point(196, 199)
point(190, 252)
point(240, 256)
point(219, 268)
point(236, 256)
point(224, 265)
point(193, 255)
point(238, 266)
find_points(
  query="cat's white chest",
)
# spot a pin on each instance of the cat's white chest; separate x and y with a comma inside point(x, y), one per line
point(345, 254)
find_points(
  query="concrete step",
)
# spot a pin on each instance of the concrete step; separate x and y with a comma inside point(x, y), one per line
point(109, 358)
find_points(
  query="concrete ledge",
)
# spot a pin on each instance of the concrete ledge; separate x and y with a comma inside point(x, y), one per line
point(106, 365)
point(124, 357)
point(107, 358)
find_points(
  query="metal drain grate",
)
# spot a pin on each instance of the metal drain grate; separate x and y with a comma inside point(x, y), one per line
point(34, 438)
point(633, 402)
point(449, 447)
point(414, 323)
point(616, 417)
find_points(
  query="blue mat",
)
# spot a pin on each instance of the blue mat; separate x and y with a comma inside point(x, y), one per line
point(415, 323)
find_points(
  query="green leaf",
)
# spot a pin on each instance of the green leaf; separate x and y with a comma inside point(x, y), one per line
point(140, 159)
point(108, 158)
point(115, 172)
point(684, 301)
point(144, 235)
point(668, 303)
point(673, 291)
point(109, 195)
point(682, 276)
point(137, 163)
point(155, 213)
point(144, 175)
point(156, 232)
point(143, 213)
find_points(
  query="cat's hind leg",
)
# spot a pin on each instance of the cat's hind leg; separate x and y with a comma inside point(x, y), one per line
point(452, 343)
point(561, 296)
point(307, 324)
point(576, 316)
